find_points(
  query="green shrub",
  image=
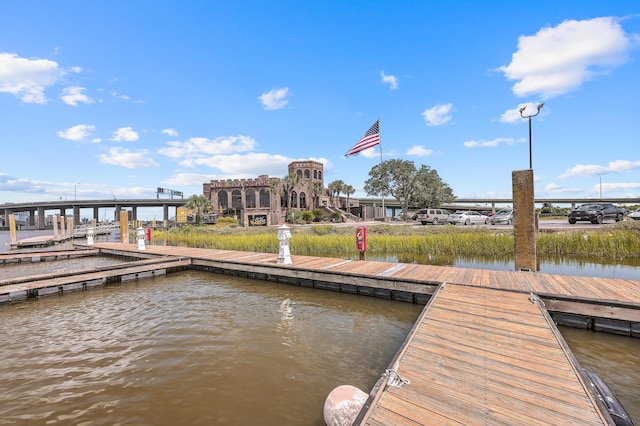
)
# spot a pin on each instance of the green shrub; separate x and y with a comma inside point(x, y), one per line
point(307, 216)
point(226, 221)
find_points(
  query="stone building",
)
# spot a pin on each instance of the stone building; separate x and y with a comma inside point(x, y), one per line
point(261, 200)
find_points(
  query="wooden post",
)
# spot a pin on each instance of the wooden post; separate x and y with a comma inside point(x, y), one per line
point(55, 227)
point(524, 224)
point(124, 226)
point(63, 231)
point(12, 229)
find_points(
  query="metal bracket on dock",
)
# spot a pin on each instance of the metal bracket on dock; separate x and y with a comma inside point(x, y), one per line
point(394, 379)
point(534, 298)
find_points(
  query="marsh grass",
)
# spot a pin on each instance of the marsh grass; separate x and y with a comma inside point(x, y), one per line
point(620, 241)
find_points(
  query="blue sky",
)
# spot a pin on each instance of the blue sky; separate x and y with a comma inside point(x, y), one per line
point(104, 99)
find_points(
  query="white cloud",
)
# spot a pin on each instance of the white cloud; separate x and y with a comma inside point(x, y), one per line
point(391, 80)
point(76, 133)
point(73, 95)
point(131, 160)
point(274, 99)
point(126, 134)
point(617, 166)
point(438, 115)
point(489, 144)
point(617, 187)
point(170, 132)
point(251, 164)
point(552, 187)
point(419, 151)
point(513, 116)
point(191, 179)
point(200, 147)
point(125, 97)
point(369, 153)
point(28, 78)
point(76, 70)
point(559, 190)
point(560, 59)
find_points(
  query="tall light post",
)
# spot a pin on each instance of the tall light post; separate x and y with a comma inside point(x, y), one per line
point(600, 176)
point(529, 117)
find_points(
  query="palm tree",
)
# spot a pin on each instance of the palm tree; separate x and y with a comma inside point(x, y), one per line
point(316, 189)
point(289, 183)
point(200, 205)
point(335, 188)
point(349, 191)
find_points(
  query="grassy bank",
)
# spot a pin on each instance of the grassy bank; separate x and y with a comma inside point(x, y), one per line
point(617, 242)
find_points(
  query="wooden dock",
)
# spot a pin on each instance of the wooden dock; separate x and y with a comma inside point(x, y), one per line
point(8, 258)
point(603, 304)
point(485, 357)
point(485, 350)
point(16, 289)
point(39, 241)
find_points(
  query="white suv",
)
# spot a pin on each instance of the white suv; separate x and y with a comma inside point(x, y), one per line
point(433, 216)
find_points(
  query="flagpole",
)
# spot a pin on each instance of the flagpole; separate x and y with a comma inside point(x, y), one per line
point(384, 211)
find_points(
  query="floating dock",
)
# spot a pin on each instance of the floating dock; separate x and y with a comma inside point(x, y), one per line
point(16, 289)
point(485, 350)
point(8, 258)
point(483, 357)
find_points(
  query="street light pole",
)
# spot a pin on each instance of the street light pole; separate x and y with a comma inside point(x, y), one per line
point(529, 117)
point(600, 176)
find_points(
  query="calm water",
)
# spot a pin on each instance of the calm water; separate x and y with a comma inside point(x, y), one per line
point(197, 348)
point(192, 348)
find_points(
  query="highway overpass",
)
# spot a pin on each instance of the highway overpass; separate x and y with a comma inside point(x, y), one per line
point(60, 208)
point(495, 204)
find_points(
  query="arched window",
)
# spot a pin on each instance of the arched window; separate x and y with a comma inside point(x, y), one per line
point(250, 199)
point(223, 201)
point(265, 199)
point(307, 174)
point(303, 200)
point(299, 173)
point(294, 199)
point(315, 174)
point(236, 199)
point(319, 175)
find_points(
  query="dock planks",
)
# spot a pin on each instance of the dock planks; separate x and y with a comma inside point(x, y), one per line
point(41, 256)
point(619, 291)
point(56, 283)
point(483, 356)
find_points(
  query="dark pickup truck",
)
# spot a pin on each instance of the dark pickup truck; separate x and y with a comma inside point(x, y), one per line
point(596, 213)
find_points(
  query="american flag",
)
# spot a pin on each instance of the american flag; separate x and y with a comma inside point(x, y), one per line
point(371, 138)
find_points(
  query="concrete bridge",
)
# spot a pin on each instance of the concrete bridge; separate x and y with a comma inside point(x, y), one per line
point(61, 207)
point(495, 204)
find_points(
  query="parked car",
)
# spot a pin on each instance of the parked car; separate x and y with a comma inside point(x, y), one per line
point(433, 216)
point(596, 213)
point(504, 216)
point(635, 215)
point(403, 216)
point(468, 218)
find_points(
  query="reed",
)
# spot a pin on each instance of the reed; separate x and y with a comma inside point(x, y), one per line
point(621, 241)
